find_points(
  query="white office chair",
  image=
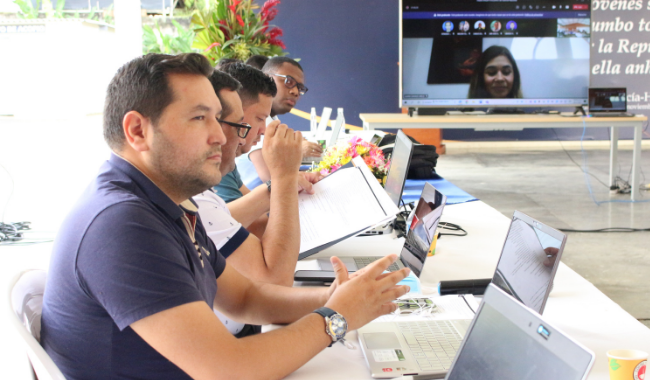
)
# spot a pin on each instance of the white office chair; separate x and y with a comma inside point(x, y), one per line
point(26, 298)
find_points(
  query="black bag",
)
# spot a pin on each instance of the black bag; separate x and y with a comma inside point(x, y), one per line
point(423, 160)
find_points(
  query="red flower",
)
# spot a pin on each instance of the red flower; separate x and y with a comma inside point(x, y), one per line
point(275, 32)
point(213, 45)
point(276, 42)
point(223, 29)
point(233, 7)
point(269, 4)
point(270, 15)
point(266, 12)
point(240, 20)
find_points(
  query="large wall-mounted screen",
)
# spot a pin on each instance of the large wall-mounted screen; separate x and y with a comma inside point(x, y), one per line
point(477, 53)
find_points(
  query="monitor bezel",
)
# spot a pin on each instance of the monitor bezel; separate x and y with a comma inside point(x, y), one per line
point(469, 103)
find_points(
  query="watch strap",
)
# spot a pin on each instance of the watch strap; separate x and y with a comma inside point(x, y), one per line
point(325, 311)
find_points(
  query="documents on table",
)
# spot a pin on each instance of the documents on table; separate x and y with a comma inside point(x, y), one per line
point(447, 308)
point(344, 204)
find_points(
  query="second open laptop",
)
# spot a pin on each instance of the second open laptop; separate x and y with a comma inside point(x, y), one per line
point(400, 160)
point(418, 239)
point(529, 260)
point(505, 341)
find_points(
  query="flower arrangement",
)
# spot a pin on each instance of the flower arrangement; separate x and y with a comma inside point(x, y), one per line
point(231, 29)
point(344, 152)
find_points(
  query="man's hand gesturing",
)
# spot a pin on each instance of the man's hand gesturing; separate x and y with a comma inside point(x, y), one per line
point(368, 293)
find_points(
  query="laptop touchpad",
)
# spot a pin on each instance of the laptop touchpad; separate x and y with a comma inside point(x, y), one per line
point(385, 340)
point(325, 264)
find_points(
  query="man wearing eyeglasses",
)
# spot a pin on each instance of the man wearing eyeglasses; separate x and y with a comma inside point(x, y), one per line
point(227, 228)
point(290, 81)
point(272, 257)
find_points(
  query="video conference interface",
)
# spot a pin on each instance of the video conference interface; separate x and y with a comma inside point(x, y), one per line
point(476, 53)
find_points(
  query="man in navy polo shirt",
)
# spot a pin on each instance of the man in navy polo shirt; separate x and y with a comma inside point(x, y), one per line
point(133, 277)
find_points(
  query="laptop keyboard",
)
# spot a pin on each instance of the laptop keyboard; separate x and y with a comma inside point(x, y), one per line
point(365, 261)
point(433, 343)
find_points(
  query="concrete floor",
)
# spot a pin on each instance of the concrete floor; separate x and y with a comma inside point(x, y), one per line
point(548, 186)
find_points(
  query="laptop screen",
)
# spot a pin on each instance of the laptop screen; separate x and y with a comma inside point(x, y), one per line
point(607, 100)
point(508, 342)
point(399, 166)
point(529, 260)
point(422, 229)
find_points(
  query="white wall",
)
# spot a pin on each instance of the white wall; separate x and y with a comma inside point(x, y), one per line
point(58, 68)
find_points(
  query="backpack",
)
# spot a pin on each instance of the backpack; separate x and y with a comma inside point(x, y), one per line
point(423, 160)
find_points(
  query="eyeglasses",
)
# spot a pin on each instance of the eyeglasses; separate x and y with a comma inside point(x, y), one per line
point(290, 82)
point(242, 129)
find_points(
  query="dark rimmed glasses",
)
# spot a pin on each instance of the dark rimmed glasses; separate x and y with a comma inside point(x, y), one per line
point(291, 82)
point(242, 129)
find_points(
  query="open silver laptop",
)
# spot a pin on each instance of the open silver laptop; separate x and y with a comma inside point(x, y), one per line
point(510, 342)
point(400, 160)
point(529, 260)
point(418, 239)
point(505, 341)
point(608, 102)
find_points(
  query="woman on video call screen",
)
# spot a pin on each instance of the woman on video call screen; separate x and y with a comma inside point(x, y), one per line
point(496, 75)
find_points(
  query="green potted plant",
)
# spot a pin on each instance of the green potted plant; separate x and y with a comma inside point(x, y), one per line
point(232, 29)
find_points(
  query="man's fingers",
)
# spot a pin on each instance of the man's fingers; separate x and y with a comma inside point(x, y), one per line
point(388, 308)
point(397, 291)
point(281, 131)
point(393, 278)
point(305, 185)
point(340, 269)
point(271, 128)
point(313, 177)
point(376, 268)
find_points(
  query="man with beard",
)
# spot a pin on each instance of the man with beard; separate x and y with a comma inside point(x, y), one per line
point(133, 277)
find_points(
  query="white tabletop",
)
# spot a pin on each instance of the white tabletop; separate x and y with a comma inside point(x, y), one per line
point(574, 306)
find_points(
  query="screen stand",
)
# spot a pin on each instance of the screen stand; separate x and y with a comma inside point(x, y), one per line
point(413, 111)
point(505, 111)
point(580, 109)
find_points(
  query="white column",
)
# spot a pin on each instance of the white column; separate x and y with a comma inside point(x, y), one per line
point(128, 27)
point(636, 162)
point(613, 156)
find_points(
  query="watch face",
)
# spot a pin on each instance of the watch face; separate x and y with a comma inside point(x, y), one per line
point(338, 326)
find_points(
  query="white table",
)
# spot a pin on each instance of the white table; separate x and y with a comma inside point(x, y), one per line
point(575, 305)
point(519, 122)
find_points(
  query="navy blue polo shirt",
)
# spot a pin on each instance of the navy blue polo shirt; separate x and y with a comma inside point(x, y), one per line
point(123, 253)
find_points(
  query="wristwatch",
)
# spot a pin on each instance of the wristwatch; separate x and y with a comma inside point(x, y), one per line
point(268, 185)
point(335, 324)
